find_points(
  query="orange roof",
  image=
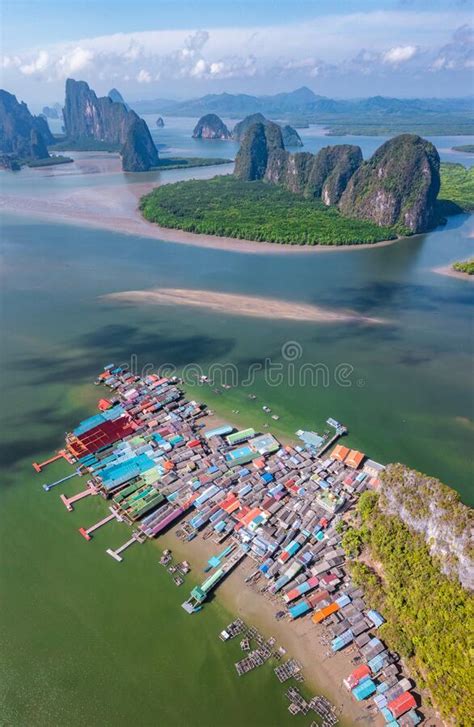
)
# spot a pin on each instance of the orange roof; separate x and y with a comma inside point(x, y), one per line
point(339, 452)
point(232, 507)
point(355, 458)
point(323, 613)
point(243, 512)
point(247, 519)
point(259, 463)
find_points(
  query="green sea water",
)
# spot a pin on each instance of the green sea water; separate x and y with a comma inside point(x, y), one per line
point(86, 640)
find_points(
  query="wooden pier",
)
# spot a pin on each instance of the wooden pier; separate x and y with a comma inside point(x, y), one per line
point(68, 502)
point(47, 488)
point(87, 532)
point(116, 554)
point(62, 454)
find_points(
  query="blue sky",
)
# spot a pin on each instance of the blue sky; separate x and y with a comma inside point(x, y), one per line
point(173, 49)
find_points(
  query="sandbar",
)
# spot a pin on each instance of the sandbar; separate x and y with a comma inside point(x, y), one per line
point(448, 270)
point(251, 306)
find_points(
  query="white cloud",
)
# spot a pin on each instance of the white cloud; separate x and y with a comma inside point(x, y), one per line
point(39, 64)
point(144, 76)
point(458, 53)
point(400, 54)
point(77, 60)
point(266, 53)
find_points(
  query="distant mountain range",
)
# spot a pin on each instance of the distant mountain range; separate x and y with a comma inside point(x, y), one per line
point(303, 101)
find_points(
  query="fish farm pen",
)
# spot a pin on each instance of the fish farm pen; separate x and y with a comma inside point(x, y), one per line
point(150, 453)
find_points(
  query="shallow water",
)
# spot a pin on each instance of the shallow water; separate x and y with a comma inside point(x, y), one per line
point(84, 639)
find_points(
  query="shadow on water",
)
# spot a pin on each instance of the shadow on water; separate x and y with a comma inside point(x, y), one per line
point(118, 343)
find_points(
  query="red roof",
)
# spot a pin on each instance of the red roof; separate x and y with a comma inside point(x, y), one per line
point(402, 704)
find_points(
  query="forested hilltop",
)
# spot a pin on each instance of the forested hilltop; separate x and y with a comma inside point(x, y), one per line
point(329, 198)
point(374, 116)
point(410, 544)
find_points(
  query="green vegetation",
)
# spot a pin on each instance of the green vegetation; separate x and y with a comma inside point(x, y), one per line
point(465, 267)
point(383, 125)
point(254, 211)
point(466, 148)
point(457, 185)
point(51, 162)
point(188, 162)
point(429, 616)
point(87, 144)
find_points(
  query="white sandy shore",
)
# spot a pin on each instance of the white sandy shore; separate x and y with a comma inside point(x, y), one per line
point(447, 270)
point(243, 305)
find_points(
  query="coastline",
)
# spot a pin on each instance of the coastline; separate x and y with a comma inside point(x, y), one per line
point(450, 273)
point(96, 211)
point(301, 639)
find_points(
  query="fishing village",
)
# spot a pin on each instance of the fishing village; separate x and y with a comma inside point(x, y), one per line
point(157, 461)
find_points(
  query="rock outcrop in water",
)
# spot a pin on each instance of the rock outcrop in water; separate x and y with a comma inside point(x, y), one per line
point(429, 507)
point(289, 134)
point(397, 186)
point(159, 122)
point(259, 144)
point(53, 112)
point(138, 153)
point(88, 117)
point(22, 135)
point(117, 97)
point(211, 126)
point(324, 175)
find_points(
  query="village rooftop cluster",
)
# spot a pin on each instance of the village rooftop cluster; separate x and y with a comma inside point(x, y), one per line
point(150, 454)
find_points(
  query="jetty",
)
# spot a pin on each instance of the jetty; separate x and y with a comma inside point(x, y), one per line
point(62, 454)
point(50, 486)
point(87, 532)
point(200, 593)
point(69, 501)
point(116, 554)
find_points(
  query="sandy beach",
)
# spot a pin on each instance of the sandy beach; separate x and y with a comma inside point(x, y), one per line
point(448, 270)
point(114, 207)
point(301, 638)
point(242, 305)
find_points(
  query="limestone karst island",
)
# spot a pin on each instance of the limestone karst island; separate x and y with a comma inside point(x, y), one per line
point(237, 334)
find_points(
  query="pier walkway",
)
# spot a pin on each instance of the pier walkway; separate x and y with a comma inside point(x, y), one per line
point(47, 488)
point(62, 454)
point(69, 501)
point(116, 554)
point(87, 532)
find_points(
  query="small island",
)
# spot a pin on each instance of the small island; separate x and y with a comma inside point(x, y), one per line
point(466, 267)
point(329, 198)
point(466, 148)
point(160, 123)
point(228, 207)
point(211, 126)
point(289, 134)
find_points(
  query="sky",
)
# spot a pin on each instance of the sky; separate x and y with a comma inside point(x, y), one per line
point(188, 48)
